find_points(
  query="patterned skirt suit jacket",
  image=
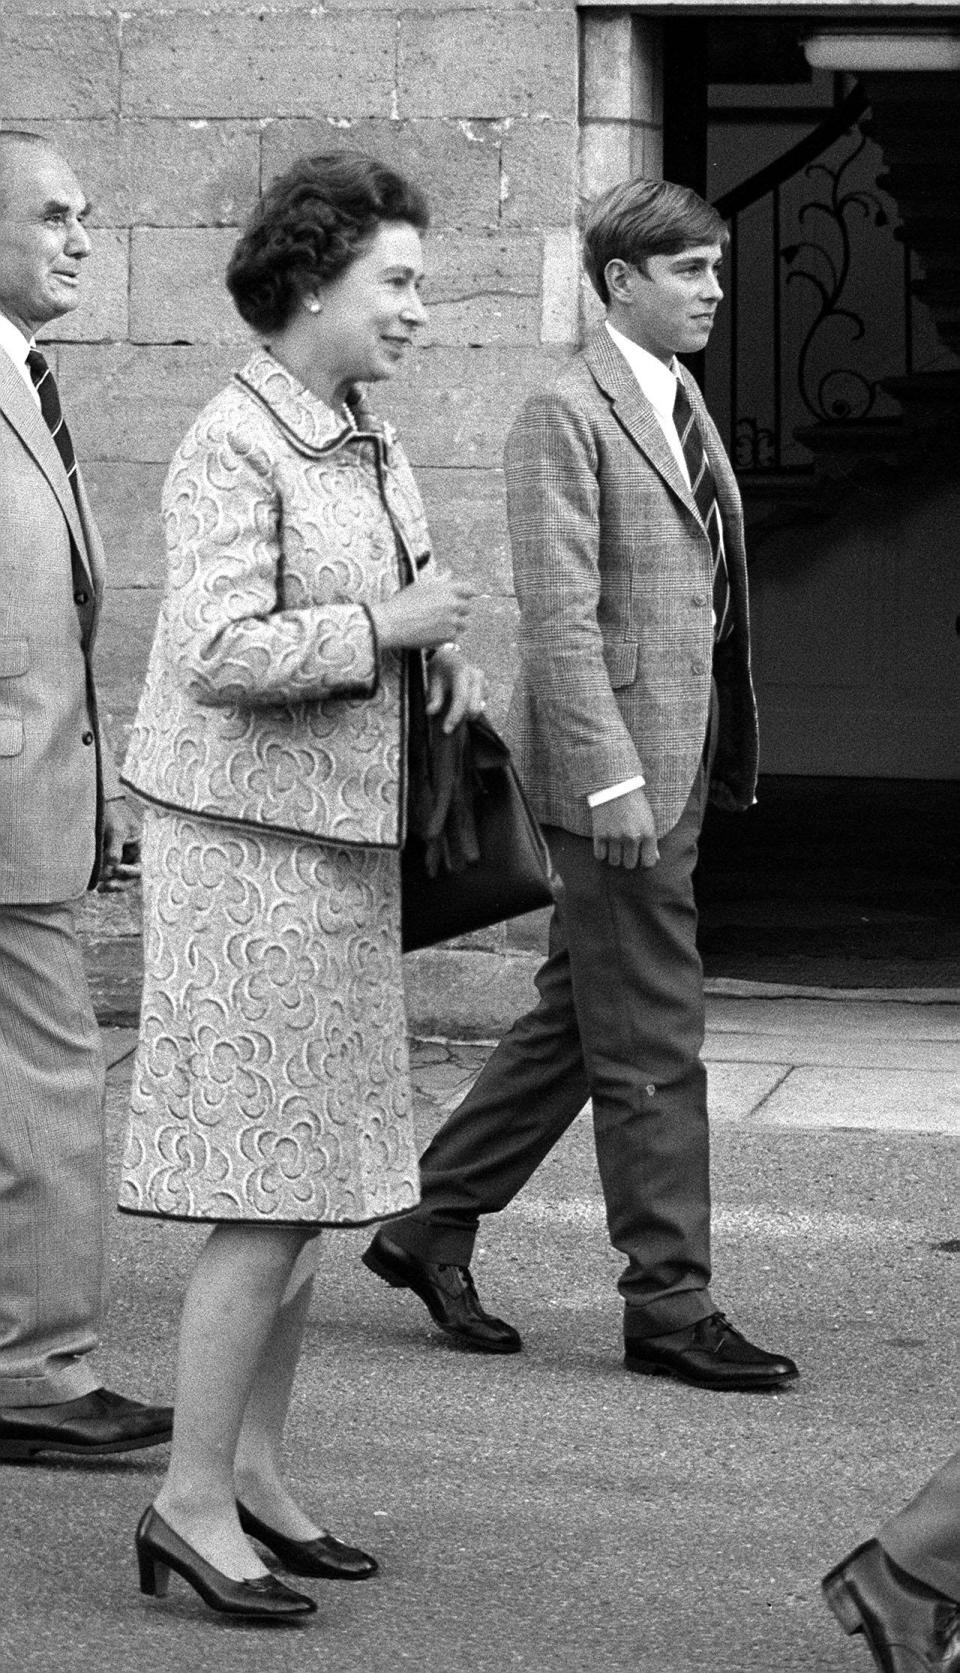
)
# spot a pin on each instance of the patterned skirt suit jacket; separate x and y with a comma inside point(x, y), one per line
point(269, 748)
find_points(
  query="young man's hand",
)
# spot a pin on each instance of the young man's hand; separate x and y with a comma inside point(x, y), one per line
point(624, 832)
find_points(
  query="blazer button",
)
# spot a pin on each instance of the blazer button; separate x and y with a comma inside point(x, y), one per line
point(87, 738)
point(698, 600)
point(698, 667)
point(81, 597)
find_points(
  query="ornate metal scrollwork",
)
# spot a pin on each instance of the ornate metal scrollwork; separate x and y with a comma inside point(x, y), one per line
point(755, 445)
point(842, 393)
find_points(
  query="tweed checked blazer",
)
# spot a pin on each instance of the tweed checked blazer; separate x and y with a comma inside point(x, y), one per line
point(55, 768)
point(613, 570)
point(266, 702)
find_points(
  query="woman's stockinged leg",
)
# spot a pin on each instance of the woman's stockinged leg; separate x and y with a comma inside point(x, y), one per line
point(229, 1316)
point(259, 1477)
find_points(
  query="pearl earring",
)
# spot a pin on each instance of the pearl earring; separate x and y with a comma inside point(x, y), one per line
point(314, 307)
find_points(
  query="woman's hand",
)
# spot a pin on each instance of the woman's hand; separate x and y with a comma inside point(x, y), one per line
point(423, 615)
point(456, 685)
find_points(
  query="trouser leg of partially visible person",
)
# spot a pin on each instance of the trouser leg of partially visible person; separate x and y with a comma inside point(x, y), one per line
point(924, 1537)
point(52, 1083)
point(901, 1590)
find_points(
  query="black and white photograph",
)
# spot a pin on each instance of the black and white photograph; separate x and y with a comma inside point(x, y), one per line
point(480, 836)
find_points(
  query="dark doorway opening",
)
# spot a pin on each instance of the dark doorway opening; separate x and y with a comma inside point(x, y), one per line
point(835, 882)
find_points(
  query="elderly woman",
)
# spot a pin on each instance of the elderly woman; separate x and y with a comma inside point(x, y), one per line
point(271, 1093)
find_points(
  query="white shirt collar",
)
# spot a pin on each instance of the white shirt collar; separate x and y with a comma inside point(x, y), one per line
point(659, 384)
point(17, 346)
point(657, 381)
point(12, 339)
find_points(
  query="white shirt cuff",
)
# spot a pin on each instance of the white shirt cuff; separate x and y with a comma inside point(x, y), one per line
point(597, 797)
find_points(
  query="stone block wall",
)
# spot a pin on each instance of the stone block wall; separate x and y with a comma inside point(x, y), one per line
point(174, 114)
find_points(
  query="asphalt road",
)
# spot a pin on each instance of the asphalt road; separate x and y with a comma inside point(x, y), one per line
point(549, 1512)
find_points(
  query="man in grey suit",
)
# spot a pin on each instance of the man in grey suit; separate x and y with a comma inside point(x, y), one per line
point(634, 699)
point(63, 824)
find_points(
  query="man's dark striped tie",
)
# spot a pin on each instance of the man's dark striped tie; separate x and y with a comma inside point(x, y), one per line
point(705, 493)
point(45, 385)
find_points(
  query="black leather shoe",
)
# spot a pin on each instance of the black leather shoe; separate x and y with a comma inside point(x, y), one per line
point(160, 1549)
point(709, 1354)
point(449, 1294)
point(910, 1627)
point(95, 1423)
point(323, 1558)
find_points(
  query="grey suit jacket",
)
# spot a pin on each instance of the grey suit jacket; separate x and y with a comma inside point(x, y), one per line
point(52, 759)
point(613, 571)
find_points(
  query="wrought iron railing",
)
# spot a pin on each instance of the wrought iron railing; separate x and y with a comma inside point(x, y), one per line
point(820, 305)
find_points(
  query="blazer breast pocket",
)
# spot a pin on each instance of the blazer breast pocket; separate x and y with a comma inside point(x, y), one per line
point(621, 661)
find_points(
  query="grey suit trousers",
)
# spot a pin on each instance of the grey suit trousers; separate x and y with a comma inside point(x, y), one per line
point(620, 1020)
point(924, 1537)
point(52, 1086)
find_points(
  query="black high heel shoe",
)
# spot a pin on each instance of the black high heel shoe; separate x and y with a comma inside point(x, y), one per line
point(324, 1558)
point(159, 1550)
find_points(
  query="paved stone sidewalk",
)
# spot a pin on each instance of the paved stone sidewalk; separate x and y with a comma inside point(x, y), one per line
point(790, 1062)
point(777, 1062)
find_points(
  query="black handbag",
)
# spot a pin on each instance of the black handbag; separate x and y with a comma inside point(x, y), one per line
point(475, 854)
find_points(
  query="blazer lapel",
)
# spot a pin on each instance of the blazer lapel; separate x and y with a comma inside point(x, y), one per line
point(635, 413)
point(22, 413)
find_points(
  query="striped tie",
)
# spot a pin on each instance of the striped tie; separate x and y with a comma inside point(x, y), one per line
point(705, 493)
point(45, 386)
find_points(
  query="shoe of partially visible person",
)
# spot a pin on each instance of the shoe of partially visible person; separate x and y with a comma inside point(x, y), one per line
point(910, 1627)
point(160, 1549)
point(448, 1292)
point(709, 1354)
point(322, 1558)
point(94, 1424)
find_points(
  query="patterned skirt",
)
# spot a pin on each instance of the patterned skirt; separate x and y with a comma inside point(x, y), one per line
point(271, 1078)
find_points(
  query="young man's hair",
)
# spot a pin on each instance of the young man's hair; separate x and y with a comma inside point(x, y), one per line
point(641, 218)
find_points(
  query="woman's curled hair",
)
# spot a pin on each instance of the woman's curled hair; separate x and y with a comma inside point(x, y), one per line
point(310, 224)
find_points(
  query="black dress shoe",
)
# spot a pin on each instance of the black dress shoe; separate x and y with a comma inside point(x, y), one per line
point(95, 1423)
point(448, 1292)
point(160, 1549)
point(323, 1558)
point(709, 1354)
point(910, 1627)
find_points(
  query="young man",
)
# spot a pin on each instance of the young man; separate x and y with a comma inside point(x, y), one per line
point(634, 699)
point(62, 824)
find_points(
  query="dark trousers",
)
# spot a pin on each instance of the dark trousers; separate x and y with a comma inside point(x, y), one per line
point(620, 1020)
point(924, 1537)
